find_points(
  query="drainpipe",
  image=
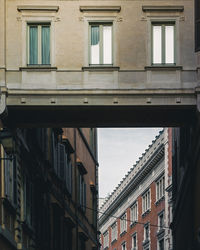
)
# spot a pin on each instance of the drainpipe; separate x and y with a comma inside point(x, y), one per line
point(3, 91)
point(76, 196)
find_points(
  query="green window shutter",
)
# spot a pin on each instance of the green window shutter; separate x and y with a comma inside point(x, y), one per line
point(45, 45)
point(33, 44)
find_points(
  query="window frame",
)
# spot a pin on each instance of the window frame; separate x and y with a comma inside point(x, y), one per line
point(114, 231)
point(135, 204)
point(38, 24)
point(100, 23)
point(146, 226)
point(123, 226)
point(163, 23)
point(161, 214)
point(105, 242)
point(123, 245)
point(143, 195)
point(134, 236)
point(161, 180)
point(197, 22)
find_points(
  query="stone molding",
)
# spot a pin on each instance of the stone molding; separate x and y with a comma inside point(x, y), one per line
point(163, 8)
point(37, 8)
point(100, 8)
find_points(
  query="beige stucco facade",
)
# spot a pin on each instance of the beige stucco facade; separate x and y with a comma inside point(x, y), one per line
point(71, 80)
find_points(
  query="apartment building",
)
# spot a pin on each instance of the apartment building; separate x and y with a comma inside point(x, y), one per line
point(137, 214)
point(48, 181)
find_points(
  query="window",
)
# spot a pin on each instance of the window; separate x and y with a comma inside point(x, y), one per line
point(106, 239)
point(146, 202)
point(68, 173)
point(100, 44)
point(39, 44)
point(163, 46)
point(146, 232)
point(161, 221)
point(28, 201)
point(114, 232)
point(134, 213)
point(10, 179)
point(160, 188)
point(197, 25)
point(123, 223)
point(161, 244)
point(134, 241)
point(124, 246)
point(82, 192)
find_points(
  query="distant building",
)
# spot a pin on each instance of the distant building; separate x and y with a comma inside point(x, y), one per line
point(137, 214)
point(48, 189)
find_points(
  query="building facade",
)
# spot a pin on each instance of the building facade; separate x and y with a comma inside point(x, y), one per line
point(80, 56)
point(137, 214)
point(49, 189)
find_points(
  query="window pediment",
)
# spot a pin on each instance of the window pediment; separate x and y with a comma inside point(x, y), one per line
point(100, 8)
point(163, 8)
point(37, 8)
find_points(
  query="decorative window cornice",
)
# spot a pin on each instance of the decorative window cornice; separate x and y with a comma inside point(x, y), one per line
point(163, 8)
point(100, 8)
point(37, 8)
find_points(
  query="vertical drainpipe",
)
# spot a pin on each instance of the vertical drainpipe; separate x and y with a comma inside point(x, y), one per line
point(76, 196)
point(3, 93)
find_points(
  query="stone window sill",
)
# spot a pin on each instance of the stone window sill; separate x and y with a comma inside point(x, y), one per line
point(159, 201)
point(100, 68)
point(123, 233)
point(146, 212)
point(113, 241)
point(163, 67)
point(133, 224)
point(43, 68)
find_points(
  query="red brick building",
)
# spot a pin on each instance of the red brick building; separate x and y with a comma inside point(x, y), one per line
point(137, 215)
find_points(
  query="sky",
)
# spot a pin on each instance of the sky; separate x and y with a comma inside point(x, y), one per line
point(118, 150)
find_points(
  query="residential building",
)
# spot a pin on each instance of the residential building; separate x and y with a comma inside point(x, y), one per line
point(49, 189)
point(186, 162)
point(137, 214)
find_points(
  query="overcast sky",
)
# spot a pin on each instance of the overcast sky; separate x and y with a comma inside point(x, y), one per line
point(118, 150)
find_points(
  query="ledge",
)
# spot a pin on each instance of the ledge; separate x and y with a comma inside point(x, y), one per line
point(145, 242)
point(160, 200)
point(115, 240)
point(7, 203)
point(100, 8)
point(133, 224)
point(5, 233)
point(100, 68)
point(38, 68)
point(122, 234)
point(163, 67)
point(37, 8)
point(145, 213)
point(163, 8)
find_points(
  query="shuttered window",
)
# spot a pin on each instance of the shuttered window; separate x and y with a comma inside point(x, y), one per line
point(82, 192)
point(10, 182)
point(197, 25)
